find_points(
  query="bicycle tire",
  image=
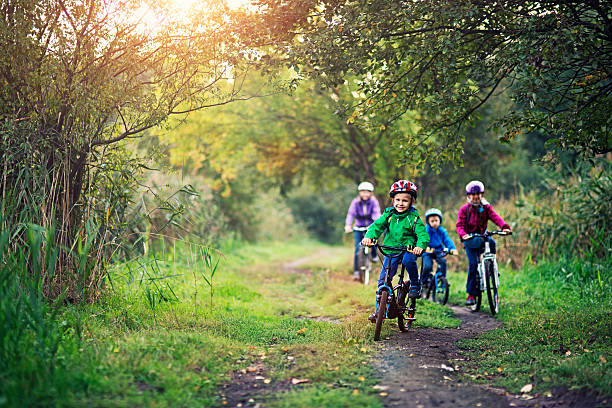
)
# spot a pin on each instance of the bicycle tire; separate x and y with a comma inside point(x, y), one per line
point(427, 288)
point(411, 312)
point(441, 296)
point(491, 288)
point(401, 307)
point(382, 311)
point(361, 264)
point(478, 298)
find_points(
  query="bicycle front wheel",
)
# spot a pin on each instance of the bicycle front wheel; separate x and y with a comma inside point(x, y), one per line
point(440, 293)
point(382, 311)
point(407, 311)
point(491, 288)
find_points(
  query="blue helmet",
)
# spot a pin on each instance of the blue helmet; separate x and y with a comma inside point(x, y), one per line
point(433, 211)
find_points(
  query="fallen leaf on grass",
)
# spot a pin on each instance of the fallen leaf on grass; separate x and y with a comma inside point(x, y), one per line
point(355, 392)
point(260, 377)
point(290, 358)
point(295, 381)
point(301, 331)
point(381, 387)
point(447, 368)
point(267, 381)
point(363, 349)
point(568, 353)
point(527, 388)
point(362, 378)
point(383, 394)
point(500, 369)
point(603, 359)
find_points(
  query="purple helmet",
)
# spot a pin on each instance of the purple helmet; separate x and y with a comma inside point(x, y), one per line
point(474, 187)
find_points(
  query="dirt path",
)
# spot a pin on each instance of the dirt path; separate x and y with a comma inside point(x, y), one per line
point(419, 369)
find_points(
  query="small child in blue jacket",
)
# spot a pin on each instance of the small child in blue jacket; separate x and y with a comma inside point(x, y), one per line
point(438, 240)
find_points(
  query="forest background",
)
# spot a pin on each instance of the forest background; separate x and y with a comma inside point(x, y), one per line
point(123, 135)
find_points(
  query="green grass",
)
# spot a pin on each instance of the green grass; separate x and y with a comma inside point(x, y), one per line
point(155, 339)
point(557, 328)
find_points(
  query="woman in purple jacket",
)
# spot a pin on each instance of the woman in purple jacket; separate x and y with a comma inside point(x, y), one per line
point(364, 209)
point(473, 218)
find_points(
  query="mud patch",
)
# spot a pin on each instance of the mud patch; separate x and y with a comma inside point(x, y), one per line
point(250, 387)
point(419, 369)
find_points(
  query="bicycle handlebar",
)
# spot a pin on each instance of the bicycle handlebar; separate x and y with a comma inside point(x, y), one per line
point(488, 234)
point(360, 228)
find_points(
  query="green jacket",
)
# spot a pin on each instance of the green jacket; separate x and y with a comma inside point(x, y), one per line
point(403, 228)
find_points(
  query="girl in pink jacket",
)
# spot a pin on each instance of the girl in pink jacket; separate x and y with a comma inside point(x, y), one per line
point(473, 218)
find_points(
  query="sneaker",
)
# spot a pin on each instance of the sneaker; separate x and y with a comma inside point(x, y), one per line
point(470, 300)
point(415, 292)
point(372, 318)
point(356, 276)
point(375, 259)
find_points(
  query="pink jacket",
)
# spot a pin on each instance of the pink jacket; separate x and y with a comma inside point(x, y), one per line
point(479, 217)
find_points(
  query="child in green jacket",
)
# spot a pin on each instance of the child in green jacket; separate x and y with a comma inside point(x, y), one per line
point(404, 228)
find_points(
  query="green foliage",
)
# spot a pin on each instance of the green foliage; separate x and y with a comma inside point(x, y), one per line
point(573, 213)
point(556, 328)
point(447, 59)
point(79, 77)
point(321, 211)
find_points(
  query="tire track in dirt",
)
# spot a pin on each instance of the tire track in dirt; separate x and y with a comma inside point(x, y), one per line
point(418, 369)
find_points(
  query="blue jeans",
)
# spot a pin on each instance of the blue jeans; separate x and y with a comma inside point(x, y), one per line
point(358, 235)
point(428, 264)
point(409, 262)
point(473, 256)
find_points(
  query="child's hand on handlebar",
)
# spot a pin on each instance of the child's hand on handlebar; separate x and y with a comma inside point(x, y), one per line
point(506, 230)
point(466, 236)
point(367, 242)
point(417, 250)
point(454, 252)
point(348, 228)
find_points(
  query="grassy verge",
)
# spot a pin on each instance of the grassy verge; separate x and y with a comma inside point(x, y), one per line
point(157, 339)
point(557, 328)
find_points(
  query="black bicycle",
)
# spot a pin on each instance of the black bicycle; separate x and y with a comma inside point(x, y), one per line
point(391, 300)
point(436, 285)
point(487, 279)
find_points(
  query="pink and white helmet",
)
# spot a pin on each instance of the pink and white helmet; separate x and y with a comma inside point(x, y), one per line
point(403, 186)
point(474, 187)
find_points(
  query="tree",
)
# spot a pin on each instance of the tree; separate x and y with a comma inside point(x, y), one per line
point(446, 59)
point(288, 137)
point(79, 76)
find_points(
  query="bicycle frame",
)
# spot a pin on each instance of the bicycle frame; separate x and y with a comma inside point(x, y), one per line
point(388, 285)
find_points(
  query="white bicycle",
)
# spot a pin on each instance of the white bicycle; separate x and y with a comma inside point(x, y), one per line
point(487, 279)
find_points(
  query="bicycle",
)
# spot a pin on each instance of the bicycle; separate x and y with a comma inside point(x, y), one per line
point(391, 300)
point(364, 260)
point(436, 286)
point(487, 279)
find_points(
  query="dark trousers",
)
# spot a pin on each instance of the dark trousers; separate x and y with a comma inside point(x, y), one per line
point(409, 262)
point(473, 256)
point(428, 264)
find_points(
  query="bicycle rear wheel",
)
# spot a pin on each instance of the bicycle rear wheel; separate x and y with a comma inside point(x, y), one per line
point(361, 264)
point(440, 292)
point(491, 288)
point(382, 311)
point(406, 315)
point(428, 289)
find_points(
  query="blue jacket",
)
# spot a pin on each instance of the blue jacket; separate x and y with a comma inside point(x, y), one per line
point(439, 239)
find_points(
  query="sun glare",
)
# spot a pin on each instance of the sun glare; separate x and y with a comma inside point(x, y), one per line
point(150, 20)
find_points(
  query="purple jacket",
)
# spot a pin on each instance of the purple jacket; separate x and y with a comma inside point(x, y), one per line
point(479, 217)
point(363, 212)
